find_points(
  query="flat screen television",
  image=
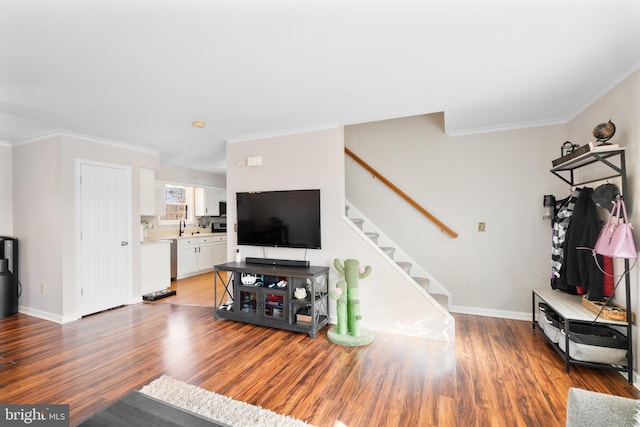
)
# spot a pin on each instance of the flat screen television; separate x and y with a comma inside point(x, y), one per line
point(287, 219)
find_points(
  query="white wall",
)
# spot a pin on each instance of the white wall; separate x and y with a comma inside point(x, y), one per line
point(316, 160)
point(498, 178)
point(6, 191)
point(190, 176)
point(44, 207)
point(38, 212)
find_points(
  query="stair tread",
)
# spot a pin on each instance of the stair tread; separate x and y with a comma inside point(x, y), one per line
point(441, 299)
point(406, 266)
point(388, 250)
point(373, 236)
point(358, 222)
point(423, 282)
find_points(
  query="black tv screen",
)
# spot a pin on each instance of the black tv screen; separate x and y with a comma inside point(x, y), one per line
point(288, 219)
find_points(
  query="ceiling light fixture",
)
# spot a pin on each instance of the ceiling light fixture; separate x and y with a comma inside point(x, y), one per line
point(198, 124)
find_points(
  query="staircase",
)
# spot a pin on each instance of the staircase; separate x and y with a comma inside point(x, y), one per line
point(395, 254)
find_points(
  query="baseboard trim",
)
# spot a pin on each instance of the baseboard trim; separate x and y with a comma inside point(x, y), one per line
point(45, 315)
point(503, 314)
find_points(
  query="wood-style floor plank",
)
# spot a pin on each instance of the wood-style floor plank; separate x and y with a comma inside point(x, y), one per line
point(507, 375)
point(498, 372)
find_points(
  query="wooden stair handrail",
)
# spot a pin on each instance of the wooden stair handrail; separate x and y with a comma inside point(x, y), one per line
point(401, 193)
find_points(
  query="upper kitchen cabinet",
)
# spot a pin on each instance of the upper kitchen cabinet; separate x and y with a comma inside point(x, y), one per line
point(147, 192)
point(160, 202)
point(207, 200)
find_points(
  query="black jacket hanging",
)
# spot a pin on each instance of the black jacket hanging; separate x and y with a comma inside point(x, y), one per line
point(579, 268)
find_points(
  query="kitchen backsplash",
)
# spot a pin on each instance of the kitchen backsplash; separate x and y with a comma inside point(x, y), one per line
point(155, 231)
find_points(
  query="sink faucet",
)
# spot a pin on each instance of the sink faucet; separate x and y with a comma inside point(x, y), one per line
point(183, 226)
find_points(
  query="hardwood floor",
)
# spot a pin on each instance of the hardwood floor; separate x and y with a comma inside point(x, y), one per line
point(197, 290)
point(498, 372)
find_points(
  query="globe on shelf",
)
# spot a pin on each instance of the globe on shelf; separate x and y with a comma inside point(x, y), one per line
point(604, 131)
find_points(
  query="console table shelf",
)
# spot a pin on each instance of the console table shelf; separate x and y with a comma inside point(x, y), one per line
point(267, 296)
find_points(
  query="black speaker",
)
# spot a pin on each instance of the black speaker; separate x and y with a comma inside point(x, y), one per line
point(274, 261)
point(9, 283)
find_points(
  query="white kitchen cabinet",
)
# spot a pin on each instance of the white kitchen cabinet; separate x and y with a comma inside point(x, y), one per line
point(205, 254)
point(208, 200)
point(159, 197)
point(155, 266)
point(147, 192)
point(219, 249)
point(195, 256)
point(199, 201)
point(187, 257)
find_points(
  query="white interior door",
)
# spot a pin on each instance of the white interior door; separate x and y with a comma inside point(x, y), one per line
point(105, 267)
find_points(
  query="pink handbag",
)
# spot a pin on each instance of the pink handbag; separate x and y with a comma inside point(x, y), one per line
point(616, 238)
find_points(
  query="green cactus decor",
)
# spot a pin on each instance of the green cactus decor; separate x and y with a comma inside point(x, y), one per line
point(347, 295)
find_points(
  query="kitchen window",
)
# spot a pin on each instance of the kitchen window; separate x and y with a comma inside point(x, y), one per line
point(178, 204)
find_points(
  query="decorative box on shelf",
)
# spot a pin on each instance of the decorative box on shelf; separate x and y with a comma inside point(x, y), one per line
point(587, 148)
point(304, 315)
point(611, 311)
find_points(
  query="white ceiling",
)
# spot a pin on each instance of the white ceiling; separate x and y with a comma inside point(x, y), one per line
point(139, 72)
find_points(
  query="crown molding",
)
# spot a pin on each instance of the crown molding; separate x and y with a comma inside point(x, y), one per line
point(510, 127)
point(571, 115)
point(64, 133)
point(604, 89)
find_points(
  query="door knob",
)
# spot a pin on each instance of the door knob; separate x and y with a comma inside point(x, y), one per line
point(124, 243)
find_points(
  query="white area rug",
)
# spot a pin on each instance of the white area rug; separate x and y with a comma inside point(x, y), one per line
point(216, 406)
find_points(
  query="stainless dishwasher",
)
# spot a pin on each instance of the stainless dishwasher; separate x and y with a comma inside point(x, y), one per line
point(174, 259)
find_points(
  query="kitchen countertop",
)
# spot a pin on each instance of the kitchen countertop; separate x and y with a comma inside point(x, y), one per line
point(156, 242)
point(168, 239)
point(186, 236)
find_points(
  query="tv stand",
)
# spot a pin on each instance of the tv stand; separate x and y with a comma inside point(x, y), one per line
point(264, 294)
point(275, 261)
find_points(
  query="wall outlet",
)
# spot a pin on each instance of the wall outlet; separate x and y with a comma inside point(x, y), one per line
point(482, 226)
point(43, 288)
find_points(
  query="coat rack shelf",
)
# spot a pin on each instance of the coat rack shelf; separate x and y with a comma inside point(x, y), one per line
point(613, 160)
point(567, 309)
